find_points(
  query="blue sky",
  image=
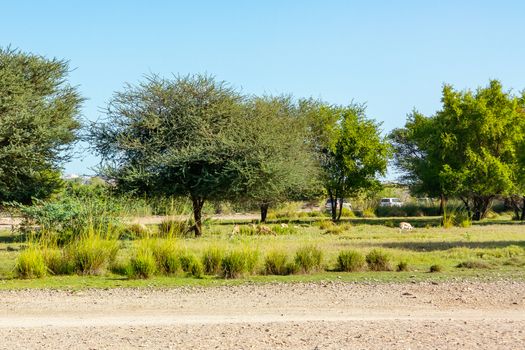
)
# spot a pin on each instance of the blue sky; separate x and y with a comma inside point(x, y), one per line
point(392, 55)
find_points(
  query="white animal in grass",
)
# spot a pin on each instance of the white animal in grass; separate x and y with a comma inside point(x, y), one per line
point(405, 226)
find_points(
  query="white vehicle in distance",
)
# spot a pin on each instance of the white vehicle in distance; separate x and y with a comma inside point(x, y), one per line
point(390, 202)
point(346, 204)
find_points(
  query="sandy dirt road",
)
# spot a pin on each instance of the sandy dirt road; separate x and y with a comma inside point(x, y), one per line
point(332, 315)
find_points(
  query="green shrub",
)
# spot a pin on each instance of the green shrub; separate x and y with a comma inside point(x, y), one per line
point(350, 260)
point(378, 260)
point(174, 228)
point(191, 265)
point(436, 268)
point(308, 259)
point(91, 254)
point(167, 255)
point(402, 266)
point(284, 230)
point(135, 231)
point(276, 263)
point(56, 262)
point(142, 263)
point(347, 213)
point(326, 224)
point(368, 213)
point(233, 264)
point(211, 260)
point(30, 263)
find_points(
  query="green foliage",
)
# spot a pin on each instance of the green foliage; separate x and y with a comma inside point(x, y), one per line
point(276, 263)
point(470, 148)
point(30, 263)
point(56, 262)
point(350, 260)
point(233, 264)
point(211, 260)
point(175, 137)
point(191, 265)
point(91, 253)
point(349, 149)
point(285, 229)
point(174, 228)
point(167, 255)
point(142, 263)
point(378, 260)
point(309, 259)
point(39, 121)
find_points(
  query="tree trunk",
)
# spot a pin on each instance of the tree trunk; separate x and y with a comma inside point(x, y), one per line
point(197, 203)
point(264, 211)
point(482, 204)
point(340, 209)
point(442, 203)
point(523, 209)
point(467, 206)
point(333, 206)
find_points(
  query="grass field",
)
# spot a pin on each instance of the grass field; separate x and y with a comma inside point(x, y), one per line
point(487, 251)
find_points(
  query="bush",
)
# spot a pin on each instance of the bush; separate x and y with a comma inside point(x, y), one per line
point(30, 263)
point(368, 213)
point(276, 263)
point(402, 266)
point(308, 259)
point(248, 230)
point(91, 254)
point(211, 260)
point(142, 263)
point(326, 224)
point(286, 230)
point(436, 268)
point(135, 231)
point(233, 264)
point(191, 265)
point(378, 260)
point(350, 260)
point(166, 256)
point(174, 228)
point(56, 262)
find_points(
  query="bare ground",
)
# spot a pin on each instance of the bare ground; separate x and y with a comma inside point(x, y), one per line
point(477, 315)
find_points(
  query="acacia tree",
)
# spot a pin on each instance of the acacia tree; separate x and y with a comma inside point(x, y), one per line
point(278, 164)
point(39, 121)
point(173, 137)
point(350, 151)
point(471, 144)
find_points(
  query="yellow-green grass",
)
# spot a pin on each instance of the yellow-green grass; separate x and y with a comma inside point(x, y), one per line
point(502, 247)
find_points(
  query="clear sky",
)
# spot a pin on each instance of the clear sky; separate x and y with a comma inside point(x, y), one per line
point(392, 55)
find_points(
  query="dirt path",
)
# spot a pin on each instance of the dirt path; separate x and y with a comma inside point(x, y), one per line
point(294, 316)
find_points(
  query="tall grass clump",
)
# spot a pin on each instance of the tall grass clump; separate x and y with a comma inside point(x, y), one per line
point(191, 265)
point(30, 263)
point(167, 255)
point(378, 260)
point(276, 263)
point(350, 260)
point(56, 261)
point(142, 263)
point(308, 259)
point(91, 254)
point(237, 263)
point(211, 260)
point(174, 228)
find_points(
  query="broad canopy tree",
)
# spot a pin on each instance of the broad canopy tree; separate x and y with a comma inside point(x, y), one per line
point(278, 164)
point(350, 151)
point(173, 137)
point(469, 149)
point(39, 122)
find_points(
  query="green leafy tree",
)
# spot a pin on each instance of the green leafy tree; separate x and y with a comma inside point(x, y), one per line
point(173, 137)
point(350, 150)
point(278, 164)
point(468, 149)
point(39, 121)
